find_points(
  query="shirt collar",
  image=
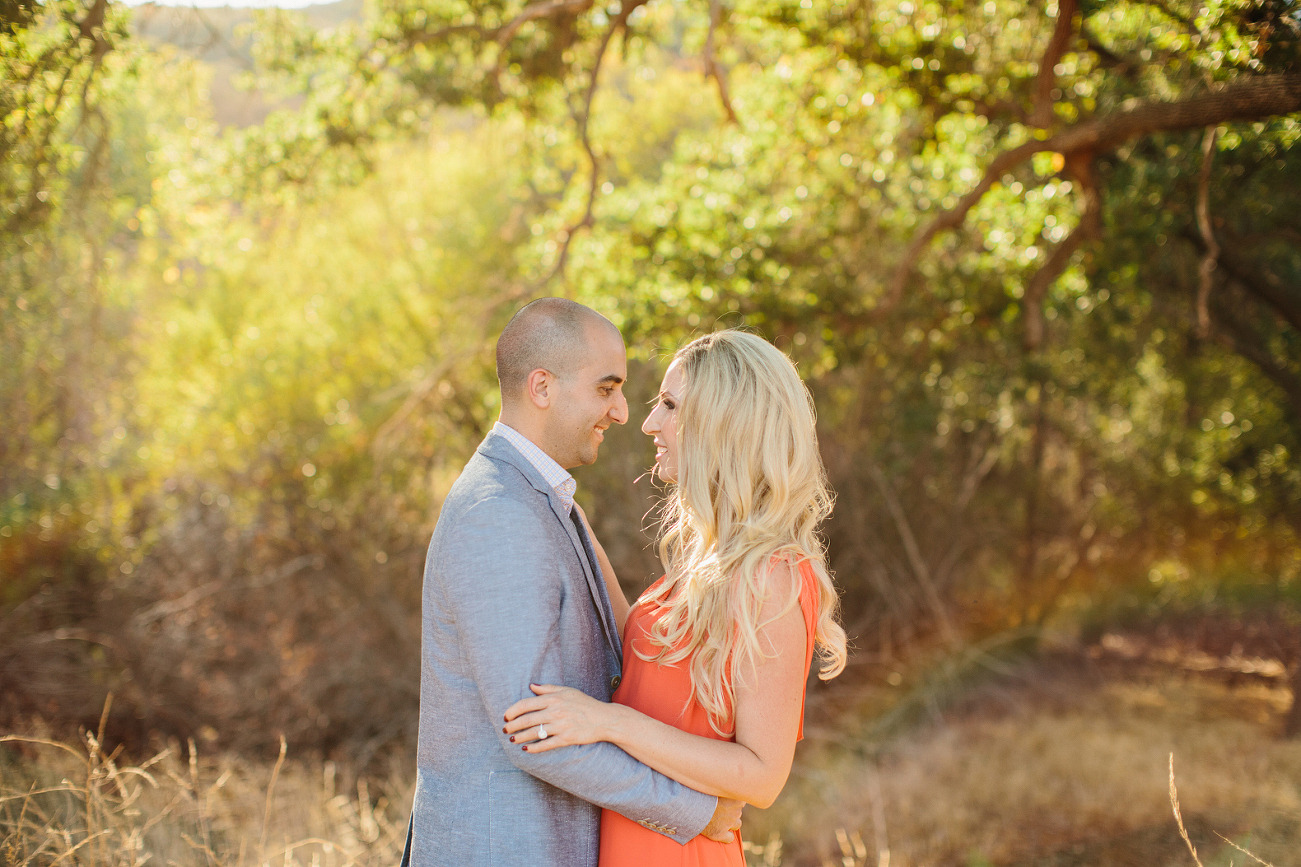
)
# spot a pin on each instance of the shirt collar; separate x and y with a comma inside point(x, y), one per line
point(555, 475)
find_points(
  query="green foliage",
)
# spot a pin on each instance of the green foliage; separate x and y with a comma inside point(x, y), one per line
point(242, 366)
point(69, 180)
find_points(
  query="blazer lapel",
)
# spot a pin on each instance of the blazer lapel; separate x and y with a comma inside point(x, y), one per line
point(595, 579)
point(498, 447)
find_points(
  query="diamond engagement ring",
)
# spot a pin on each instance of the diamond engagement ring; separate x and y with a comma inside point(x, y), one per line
point(542, 733)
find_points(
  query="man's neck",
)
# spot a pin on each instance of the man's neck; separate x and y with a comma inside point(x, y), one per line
point(522, 425)
point(527, 428)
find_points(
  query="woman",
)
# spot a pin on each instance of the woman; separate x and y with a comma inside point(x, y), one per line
point(716, 653)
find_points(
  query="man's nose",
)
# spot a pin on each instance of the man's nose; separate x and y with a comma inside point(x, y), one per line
point(620, 411)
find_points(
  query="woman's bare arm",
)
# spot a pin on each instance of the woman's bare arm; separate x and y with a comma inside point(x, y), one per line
point(768, 703)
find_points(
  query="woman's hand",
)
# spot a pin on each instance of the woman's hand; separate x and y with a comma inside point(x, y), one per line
point(568, 716)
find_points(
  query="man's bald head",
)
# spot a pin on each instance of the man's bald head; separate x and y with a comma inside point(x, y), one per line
point(549, 333)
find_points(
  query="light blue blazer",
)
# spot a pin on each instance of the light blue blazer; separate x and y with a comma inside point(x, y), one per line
point(512, 598)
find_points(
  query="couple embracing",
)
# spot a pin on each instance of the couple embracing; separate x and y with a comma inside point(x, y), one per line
point(559, 727)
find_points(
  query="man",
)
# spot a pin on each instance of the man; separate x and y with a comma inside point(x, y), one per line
point(513, 595)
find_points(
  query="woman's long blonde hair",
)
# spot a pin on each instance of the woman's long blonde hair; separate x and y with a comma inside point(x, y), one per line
point(751, 487)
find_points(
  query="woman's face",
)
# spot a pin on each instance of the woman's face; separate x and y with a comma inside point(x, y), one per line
point(662, 424)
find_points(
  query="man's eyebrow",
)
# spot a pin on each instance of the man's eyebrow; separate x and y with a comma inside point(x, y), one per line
point(612, 378)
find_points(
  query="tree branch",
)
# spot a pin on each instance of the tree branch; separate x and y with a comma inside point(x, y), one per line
point(593, 161)
point(426, 37)
point(1090, 226)
point(1211, 256)
point(534, 11)
point(505, 33)
point(1276, 233)
point(1188, 23)
point(1246, 341)
point(1247, 98)
point(1001, 110)
point(1108, 59)
point(712, 69)
point(1267, 288)
point(1042, 113)
point(955, 216)
point(91, 26)
point(582, 119)
point(218, 39)
point(918, 563)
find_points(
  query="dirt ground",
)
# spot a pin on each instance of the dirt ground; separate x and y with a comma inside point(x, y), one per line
point(1060, 761)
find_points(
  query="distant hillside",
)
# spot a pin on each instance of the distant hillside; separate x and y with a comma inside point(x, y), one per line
point(211, 35)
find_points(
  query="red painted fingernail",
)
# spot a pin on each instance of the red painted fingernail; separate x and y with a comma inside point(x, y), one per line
point(512, 739)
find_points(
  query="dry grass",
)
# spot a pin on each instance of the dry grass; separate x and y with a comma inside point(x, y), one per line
point(1077, 778)
point(1067, 770)
point(64, 803)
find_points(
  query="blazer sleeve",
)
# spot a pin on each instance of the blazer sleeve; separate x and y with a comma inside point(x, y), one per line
point(501, 581)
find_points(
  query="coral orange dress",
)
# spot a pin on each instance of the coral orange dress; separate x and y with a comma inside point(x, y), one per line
point(660, 691)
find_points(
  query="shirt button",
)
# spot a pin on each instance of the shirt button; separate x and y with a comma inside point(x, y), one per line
point(614, 682)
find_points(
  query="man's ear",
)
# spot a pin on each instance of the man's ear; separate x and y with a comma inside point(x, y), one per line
point(539, 386)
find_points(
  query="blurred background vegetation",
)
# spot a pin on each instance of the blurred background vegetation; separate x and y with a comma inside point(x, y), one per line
point(1040, 264)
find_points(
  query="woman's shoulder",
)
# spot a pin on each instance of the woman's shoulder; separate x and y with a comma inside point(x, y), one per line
point(788, 581)
point(790, 570)
point(653, 591)
point(652, 598)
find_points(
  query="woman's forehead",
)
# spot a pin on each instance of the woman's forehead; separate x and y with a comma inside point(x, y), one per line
point(673, 378)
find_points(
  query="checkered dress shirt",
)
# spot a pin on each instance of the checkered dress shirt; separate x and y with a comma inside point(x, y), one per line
point(554, 474)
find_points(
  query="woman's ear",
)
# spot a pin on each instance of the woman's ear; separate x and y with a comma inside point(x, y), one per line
point(539, 387)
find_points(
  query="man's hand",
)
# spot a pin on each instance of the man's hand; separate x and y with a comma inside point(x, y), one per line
point(726, 821)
